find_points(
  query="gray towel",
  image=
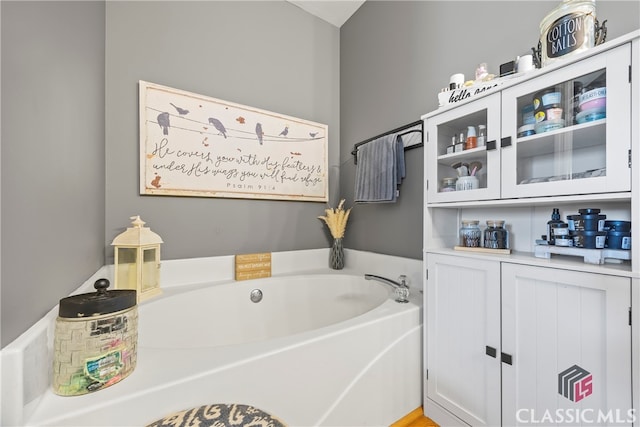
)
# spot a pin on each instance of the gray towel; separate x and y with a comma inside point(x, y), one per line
point(380, 170)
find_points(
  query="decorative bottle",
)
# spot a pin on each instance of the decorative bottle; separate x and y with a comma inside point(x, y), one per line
point(551, 224)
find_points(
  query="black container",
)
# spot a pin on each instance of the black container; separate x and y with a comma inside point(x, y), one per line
point(553, 223)
point(617, 225)
point(589, 211)
point(590, 222)
point(618, 240)
point(589, 239)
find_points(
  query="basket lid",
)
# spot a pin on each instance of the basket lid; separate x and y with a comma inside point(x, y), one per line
point(98, 303)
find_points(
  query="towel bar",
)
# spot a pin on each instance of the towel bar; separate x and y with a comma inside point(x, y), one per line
point(411, 128)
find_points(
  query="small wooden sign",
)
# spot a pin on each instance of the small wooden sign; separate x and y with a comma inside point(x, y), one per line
point(253, 266)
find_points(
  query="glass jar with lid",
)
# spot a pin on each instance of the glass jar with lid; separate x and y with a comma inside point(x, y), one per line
point(567, 29)
point(448, 184)
point(495, 235)
point(470, 233)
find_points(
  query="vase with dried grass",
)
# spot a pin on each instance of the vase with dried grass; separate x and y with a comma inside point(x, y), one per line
point(336, 219)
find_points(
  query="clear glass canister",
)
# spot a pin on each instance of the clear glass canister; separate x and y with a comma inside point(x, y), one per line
point(495, 235)
point(567, 29)
point(448, 184)
point(470, 233)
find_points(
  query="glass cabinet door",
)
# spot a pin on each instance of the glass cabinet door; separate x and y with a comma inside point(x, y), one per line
point(569, 130)
point(459, 167)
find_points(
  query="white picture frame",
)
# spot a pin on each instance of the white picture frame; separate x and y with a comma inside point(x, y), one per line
point(198, 146)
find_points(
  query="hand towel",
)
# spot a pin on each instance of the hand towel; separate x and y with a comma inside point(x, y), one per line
point(379, 170)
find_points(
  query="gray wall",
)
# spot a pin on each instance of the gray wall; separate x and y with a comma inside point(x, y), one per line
point(69, 101)
point(52, 155)
point(269, 55)
point(70, 73)
point(394, 58)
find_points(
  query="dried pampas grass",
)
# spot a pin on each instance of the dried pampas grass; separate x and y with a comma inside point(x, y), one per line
point(336, 219)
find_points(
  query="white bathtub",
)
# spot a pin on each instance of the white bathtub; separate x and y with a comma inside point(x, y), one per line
point(324, 349)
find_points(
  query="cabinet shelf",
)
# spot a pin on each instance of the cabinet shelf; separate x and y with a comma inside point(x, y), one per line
point(471, 154)
point(568, 139)
point(538, 201)
point(560, 261)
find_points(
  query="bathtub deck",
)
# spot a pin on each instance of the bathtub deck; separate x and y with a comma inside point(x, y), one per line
point(171, 379)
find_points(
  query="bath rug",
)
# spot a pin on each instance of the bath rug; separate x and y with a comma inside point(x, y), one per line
point(219, 415)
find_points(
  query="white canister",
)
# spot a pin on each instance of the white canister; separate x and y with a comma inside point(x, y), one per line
point(467, 183)
point(525, 64)
point(456, 81)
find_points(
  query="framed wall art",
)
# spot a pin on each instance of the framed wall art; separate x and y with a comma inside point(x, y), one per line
point(195, 145)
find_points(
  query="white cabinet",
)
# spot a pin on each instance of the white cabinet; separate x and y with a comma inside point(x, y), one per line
point(588, 157)
point(442, 165)
point(511, 339)
point(567, 338)
point(462, 324)
point(513, 344)
point(576, 153)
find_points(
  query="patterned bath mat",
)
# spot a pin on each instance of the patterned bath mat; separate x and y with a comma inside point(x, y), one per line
point(220, 415)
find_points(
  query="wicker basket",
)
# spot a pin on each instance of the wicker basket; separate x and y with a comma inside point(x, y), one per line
point(96, 338)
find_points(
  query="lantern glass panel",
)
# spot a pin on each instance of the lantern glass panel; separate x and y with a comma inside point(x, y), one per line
point(127, 269)
point(149, 269)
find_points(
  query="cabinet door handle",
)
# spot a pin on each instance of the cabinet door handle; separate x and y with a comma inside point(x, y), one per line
point(490, 351)
point(506, 358)
point(505, 142)
point(491, 145)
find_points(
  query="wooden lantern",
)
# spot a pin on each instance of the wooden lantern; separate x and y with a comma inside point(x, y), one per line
point(137, 260)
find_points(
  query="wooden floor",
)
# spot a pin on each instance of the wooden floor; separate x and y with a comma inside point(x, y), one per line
point(415, 418)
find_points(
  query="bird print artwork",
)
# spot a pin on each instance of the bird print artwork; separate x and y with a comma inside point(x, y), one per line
point(195, 145)
point(259, 132)
point(180, 111)
point(163, 122)
point(219, 126)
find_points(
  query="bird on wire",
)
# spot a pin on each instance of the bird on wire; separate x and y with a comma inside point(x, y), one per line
point(218, 125)
point(163, 122)
point(259, 132)
point(180, 111)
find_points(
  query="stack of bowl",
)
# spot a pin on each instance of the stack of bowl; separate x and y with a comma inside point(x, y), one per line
point(592, 105)
point(548, 110)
